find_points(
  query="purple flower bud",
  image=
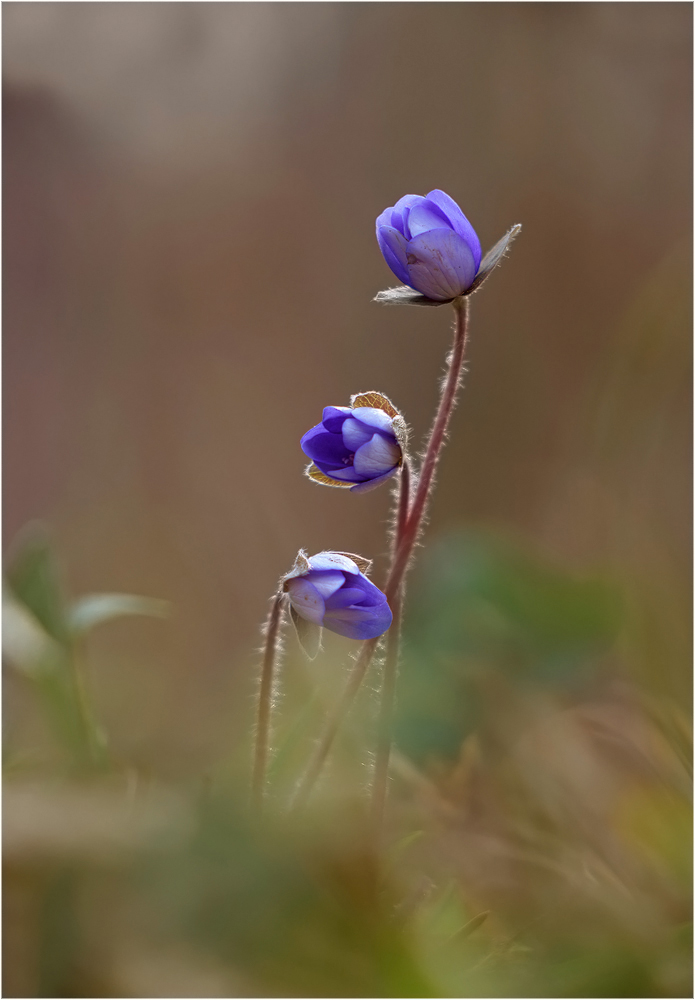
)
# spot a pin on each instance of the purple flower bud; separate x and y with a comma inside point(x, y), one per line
point(430, 245)
point(329, 590)
point(358, 446)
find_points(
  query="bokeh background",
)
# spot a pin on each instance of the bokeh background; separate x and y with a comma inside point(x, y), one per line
point(190, 191)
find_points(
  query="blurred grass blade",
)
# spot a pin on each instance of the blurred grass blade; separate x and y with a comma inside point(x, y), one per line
point(468, 928)
point(94, 609)
point(402, 845)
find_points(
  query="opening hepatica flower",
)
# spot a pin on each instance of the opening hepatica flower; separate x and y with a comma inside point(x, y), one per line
point(431, 246)
point(358, 446)
point(330, 590)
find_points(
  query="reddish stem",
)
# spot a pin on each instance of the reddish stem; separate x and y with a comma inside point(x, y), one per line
point(403, 505)
point(404, 547)
point(434, 447)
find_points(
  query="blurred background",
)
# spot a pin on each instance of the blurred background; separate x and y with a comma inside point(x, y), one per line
point(190, 192)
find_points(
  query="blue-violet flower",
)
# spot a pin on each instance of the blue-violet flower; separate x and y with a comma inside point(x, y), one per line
point(431, 246)
point(330, 590)
point(358, 446)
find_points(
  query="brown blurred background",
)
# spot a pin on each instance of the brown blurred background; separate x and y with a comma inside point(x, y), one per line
point(190, 193)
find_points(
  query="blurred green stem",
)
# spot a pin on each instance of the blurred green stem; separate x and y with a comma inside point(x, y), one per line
point(265, 699)
point(92, 740)
point(323, 747)
point(404, 550)
point(390, 674)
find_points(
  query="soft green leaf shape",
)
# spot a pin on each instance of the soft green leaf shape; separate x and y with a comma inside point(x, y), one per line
point(25, 643)
point(32, 576)
point(95, 609)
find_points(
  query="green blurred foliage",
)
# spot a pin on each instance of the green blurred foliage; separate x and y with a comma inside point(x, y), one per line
point(539, 838)
point(42, 630)
point(482, 605)
point(538, 843)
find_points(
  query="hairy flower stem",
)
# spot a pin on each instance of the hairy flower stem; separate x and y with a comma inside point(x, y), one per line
point(409, 526)
point(425, 482)
point(403, 504)
point(405, 545)
point(265, 698)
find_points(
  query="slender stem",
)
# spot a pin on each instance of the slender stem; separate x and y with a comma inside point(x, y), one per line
point(388, 683)
point(93, 742)
point(265, 698)
point(423, 490)
point(403, 505)
point(354, 681)
point(318, 758)
point(386, 712)
point(404, 549)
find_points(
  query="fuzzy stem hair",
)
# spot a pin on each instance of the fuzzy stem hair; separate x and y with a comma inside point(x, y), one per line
point(265, 701)
point(407, 533)
point(425, 484)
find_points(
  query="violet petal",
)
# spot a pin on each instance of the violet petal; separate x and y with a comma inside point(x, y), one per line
point(342, 473)
point(376, 457)
point(393, 246)
point(355, 434)
point(385, 219)
point(344, 598)
point(333, 418)
point(306, 600)
point(371, 595)
point(359, 623)
point(324, 447)
point(440, 264)
point(326, 581)
point(401, 211)
point(373, 484)
point(375, 419)
point(458, 220)
point(426, 216)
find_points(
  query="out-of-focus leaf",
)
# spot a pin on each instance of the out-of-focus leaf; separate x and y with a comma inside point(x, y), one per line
point(28, 647)
point(25, 643)
point(33, 578)
point(481, 596)
point(94, 609)
point(481, 606)
point(39, 643)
